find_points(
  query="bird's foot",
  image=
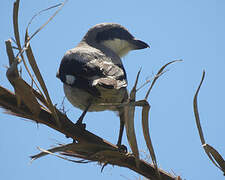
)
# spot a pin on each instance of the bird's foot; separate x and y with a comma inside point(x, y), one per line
point(81, 125)
point(122, 148)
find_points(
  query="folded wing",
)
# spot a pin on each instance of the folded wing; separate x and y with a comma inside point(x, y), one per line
point(89, 71)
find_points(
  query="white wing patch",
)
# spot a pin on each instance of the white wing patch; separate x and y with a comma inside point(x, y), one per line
point(70, 79)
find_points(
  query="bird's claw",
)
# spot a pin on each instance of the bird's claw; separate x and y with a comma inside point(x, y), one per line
point(80, 125)
point(122, 148)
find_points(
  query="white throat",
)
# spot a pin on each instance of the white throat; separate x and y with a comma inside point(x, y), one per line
point(120, 47)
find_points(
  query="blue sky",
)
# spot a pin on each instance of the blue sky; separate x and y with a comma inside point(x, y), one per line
point(190, 30)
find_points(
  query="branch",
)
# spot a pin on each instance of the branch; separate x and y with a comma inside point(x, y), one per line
point(96, 145)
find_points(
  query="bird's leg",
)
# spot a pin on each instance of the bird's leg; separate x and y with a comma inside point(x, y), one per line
point(80, 120)
point(121, 131)
point(122, 148)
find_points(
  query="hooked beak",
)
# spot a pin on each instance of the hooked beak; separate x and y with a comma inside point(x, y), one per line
point(138, 44)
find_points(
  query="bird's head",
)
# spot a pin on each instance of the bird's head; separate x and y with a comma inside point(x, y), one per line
point(115, 37)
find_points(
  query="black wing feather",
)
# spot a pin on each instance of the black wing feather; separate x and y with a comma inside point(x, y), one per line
point(86, 69)
point(82, 73)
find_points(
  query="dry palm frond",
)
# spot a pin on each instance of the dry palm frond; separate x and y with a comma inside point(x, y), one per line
point(212, 153)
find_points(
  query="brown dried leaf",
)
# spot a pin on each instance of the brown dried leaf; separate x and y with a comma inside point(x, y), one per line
point(213, 155)
point(15, 23)
point(159, 73)
point(12, 72)
point(26, 93)
point(38, 75)
point(129, 111)
point(218, 158)
point(145, 127)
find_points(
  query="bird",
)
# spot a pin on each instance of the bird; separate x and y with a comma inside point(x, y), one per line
point(93, 74)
